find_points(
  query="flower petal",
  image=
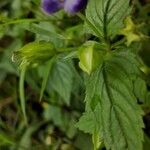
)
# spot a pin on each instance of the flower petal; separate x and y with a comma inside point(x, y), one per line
point(73, 6)
point(51, 6)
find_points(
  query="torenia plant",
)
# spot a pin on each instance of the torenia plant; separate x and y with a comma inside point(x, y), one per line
point(114, 73)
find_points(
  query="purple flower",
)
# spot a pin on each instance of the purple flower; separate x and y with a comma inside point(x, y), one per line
point(71, 6)
point(52, 6)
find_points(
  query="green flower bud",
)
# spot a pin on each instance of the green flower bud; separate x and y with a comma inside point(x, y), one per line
point(34, 53)
point(90, 56)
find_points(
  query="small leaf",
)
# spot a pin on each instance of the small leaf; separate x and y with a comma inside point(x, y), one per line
point(46, 77)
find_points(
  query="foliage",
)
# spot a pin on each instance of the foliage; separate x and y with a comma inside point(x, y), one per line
point(75, 82)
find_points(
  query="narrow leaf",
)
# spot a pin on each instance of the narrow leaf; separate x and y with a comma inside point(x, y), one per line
point(46, 77)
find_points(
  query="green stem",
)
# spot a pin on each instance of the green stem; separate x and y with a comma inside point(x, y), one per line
point(68, 49)
point(118, 43)
point(23, 20)
point(22, 93)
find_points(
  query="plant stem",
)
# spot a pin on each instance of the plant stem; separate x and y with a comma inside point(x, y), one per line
point(22, 93)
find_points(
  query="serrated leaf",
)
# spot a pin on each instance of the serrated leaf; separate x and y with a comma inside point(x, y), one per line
point(61, 79)
point(120, 117)
point(107, 16)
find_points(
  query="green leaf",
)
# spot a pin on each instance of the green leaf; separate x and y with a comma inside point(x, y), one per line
point(107, 16)
point(46, 31)
point(118, 114)
point(46, 77)
point(53, 113)
point(25, 141)
point(61, 79)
